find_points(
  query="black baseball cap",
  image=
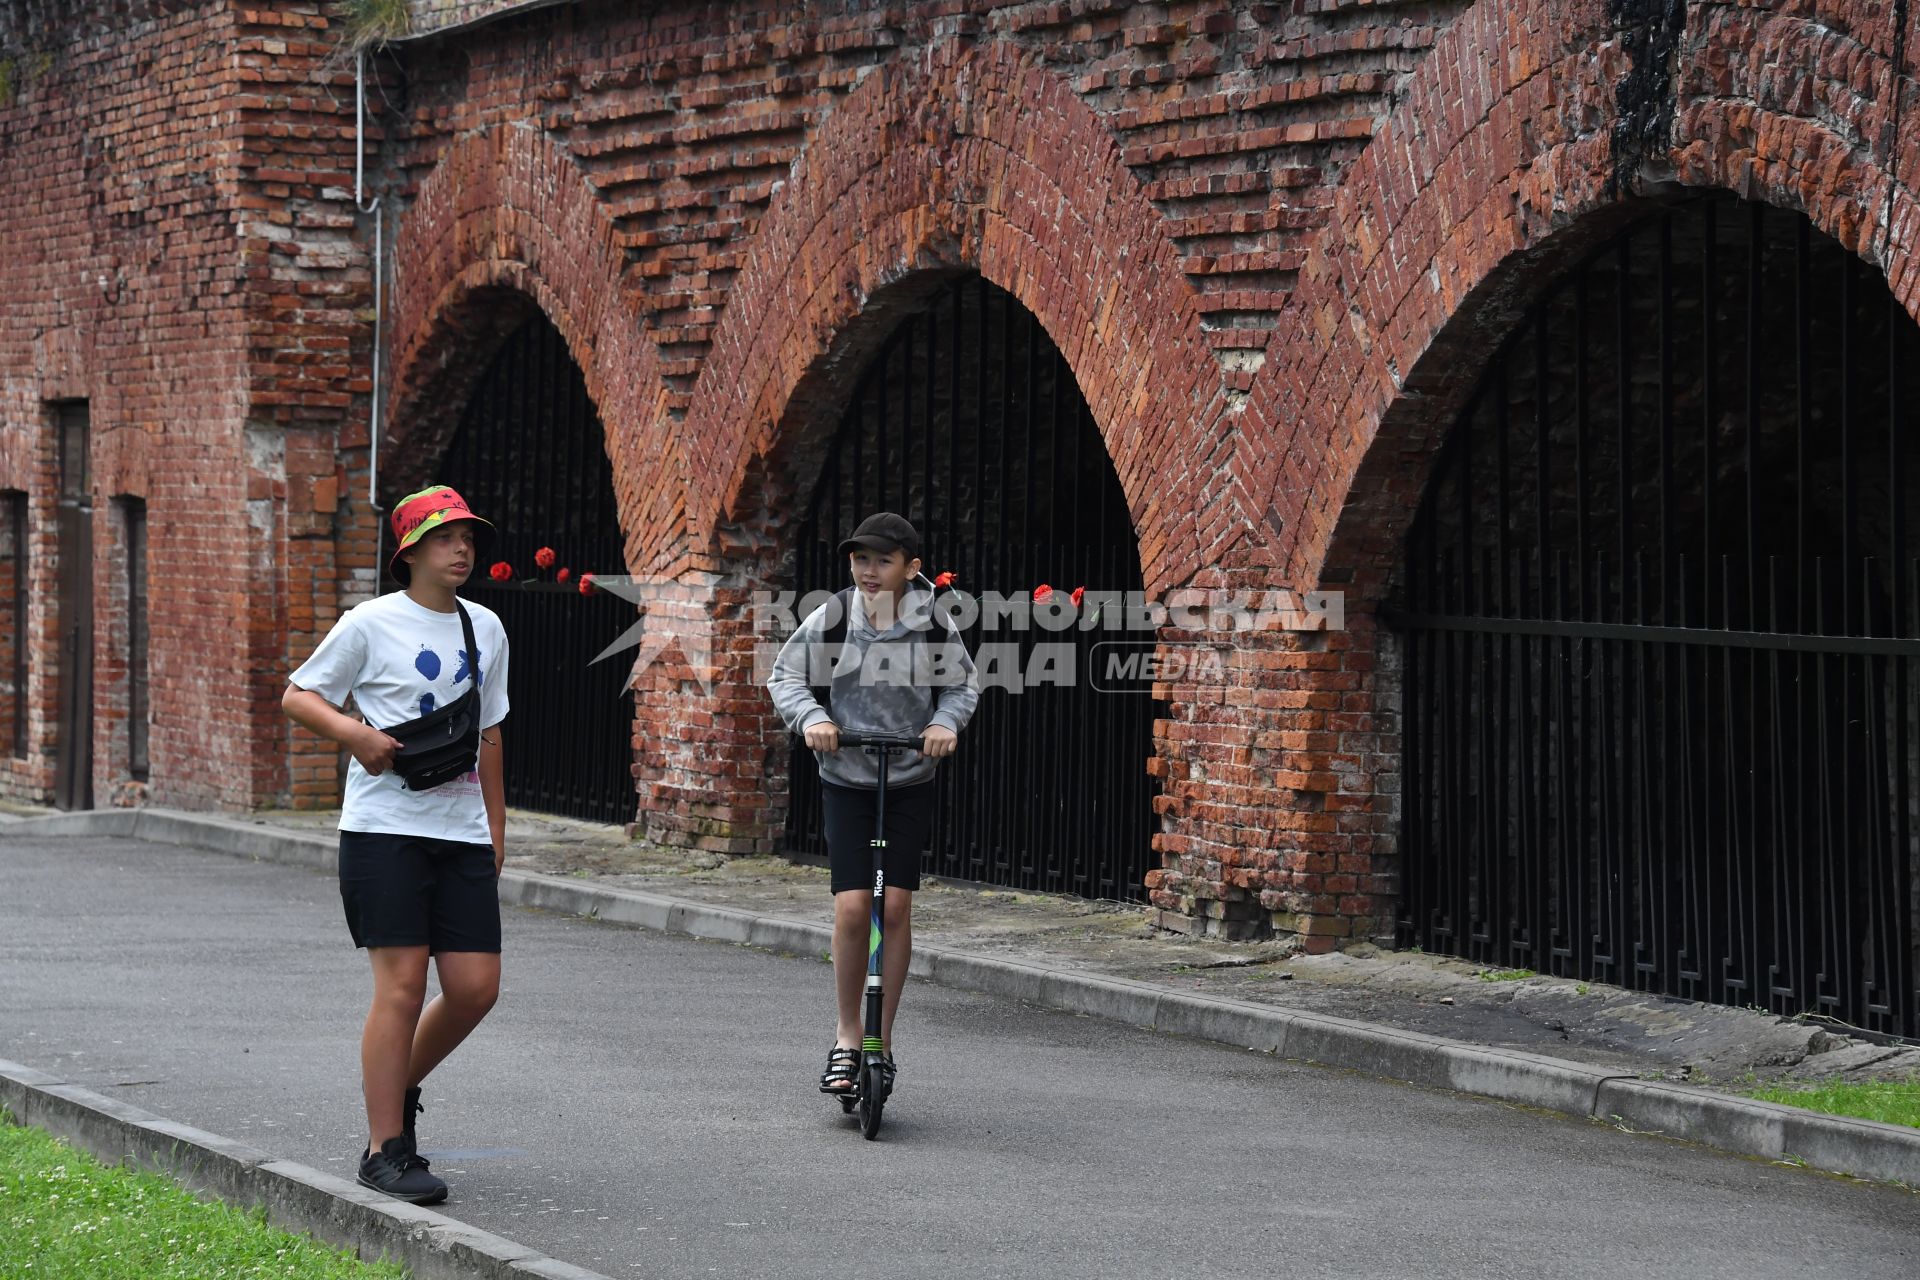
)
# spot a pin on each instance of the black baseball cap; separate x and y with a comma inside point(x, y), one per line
point(884, 532)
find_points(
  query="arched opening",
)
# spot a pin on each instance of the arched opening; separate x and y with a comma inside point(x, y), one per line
point(530, 456)
point(969, 423)
point(1659, 608)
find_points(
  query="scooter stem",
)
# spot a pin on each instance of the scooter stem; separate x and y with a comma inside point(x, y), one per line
point(872, 1042)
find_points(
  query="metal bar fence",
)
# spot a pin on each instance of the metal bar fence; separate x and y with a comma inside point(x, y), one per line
point(1647, 743)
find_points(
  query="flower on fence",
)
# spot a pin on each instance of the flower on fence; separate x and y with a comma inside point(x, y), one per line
point(501, 571)
point(545, 557)
point(1042, 593)
point(1079, 594)
point(944, 579)
point(587, 584)
point(563, 576)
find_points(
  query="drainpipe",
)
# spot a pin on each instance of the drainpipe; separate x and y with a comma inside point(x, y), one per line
point(379, 309)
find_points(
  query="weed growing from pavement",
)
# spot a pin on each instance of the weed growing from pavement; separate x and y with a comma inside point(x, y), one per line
point(1889, 1101)
point(66, 1216)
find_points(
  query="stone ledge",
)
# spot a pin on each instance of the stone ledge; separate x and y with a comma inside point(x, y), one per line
point(294, 1196)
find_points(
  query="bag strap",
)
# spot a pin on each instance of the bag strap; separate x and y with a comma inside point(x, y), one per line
point(835, 639)
point(473, 647)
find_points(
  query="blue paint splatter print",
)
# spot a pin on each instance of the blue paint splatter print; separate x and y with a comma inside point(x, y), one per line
point(470, 660)
point(427, 663)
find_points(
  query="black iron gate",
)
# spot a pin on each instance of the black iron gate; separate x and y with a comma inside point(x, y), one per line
point(1660, 632)
point(970, 424)
point(530, 456)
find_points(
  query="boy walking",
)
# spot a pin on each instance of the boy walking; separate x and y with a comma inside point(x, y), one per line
point(418, 867)
point(901, 670)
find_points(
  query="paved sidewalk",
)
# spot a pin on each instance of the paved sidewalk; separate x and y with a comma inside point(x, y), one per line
point(642, 1103)
point(1623, 1057)
point(1648, 1036)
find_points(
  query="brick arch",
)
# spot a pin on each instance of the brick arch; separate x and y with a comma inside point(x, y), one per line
point(972, 159)
point(507, 220)
point(1454, 217)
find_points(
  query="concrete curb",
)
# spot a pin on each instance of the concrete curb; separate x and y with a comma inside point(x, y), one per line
point(298, 1198)
point(1769, 1131)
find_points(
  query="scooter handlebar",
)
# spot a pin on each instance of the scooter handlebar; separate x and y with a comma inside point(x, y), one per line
point(908, 741)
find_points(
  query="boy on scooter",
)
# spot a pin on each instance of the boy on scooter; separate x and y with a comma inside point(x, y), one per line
point(900, 670)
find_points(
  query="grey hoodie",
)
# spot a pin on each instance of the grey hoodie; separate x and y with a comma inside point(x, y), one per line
point(883, 683)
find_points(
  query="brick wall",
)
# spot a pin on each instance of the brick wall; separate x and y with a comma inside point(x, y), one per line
point(119, 279)
point(741, 198)
point(1273, 242)
point(182, 255)
point(308, 295)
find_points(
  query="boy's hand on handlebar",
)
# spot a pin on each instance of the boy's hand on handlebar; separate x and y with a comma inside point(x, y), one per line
point(938, 741)
point(824, 736)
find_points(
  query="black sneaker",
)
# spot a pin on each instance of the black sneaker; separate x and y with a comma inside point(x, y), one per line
point(396, 1171)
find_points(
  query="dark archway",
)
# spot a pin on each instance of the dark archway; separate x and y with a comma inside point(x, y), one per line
point(1660, 614)
point(530, 456)
point(969, 422)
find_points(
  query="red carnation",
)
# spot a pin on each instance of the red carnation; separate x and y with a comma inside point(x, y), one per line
point(1041, 593)
point(501, 571)
point(944, 579)
point(544, 557)
point(563, 575)
point(1079, 593)
point(587, 584)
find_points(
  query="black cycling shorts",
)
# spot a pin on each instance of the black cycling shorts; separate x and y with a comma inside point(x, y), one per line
point(847, 813)
point(417, 891)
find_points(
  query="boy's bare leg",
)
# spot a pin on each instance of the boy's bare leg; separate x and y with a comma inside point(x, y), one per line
point(469, 985)
point(851, 911)
point(896, 953)
point(386, 1044)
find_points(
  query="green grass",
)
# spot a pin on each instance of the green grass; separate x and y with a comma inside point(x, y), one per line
point(66, 1216)
point(1505, 975)
point(1891, 1102)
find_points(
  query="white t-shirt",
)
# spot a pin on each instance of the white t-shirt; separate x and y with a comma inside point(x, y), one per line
point(400, 660)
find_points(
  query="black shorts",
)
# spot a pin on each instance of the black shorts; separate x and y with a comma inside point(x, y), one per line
point(847, 814)
point(416, 891)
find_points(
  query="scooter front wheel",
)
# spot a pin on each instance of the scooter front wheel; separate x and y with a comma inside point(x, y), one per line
point(872, 1101)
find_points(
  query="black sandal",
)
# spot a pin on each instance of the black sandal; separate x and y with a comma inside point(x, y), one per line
point(843, 1069)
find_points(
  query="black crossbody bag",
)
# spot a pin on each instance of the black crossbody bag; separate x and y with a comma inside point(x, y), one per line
point(443, 744)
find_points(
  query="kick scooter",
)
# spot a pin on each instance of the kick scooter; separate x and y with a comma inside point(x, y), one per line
point(875, 1081)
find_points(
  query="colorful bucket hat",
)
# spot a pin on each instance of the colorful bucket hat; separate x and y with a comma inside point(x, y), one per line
point(418, 515)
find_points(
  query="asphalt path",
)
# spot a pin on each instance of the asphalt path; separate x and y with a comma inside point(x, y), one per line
point(645, 1105)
